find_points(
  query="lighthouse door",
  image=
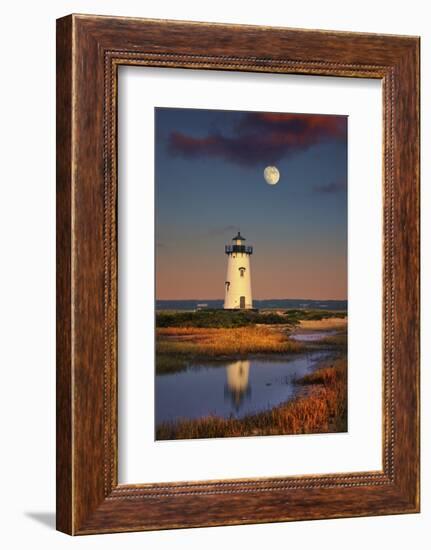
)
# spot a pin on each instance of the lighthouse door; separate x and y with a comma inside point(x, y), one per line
point(242, 302)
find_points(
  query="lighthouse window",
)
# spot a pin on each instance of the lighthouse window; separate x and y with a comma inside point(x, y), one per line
point(241, 271)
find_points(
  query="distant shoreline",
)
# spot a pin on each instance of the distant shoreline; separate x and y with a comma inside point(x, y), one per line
point(288, 303)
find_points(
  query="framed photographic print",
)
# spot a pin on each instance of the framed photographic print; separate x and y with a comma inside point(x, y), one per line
point(237, 274)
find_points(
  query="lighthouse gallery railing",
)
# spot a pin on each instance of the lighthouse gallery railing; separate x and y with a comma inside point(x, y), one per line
point(231, 248)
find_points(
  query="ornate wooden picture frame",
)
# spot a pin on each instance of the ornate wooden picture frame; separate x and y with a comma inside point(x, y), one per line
point(89, 51)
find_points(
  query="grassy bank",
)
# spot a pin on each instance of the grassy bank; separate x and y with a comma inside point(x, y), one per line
point(321, 408)
point(233, 319)
point(176, 346)
point(329, 323)
point(304, 316)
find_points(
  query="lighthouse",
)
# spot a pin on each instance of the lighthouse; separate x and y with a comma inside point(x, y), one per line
point(238, 278)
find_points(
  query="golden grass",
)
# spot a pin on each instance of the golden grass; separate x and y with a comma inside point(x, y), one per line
point(326, 375)
point(324, 324)
point(221, 342)
point(322, 409)
point(339, 340)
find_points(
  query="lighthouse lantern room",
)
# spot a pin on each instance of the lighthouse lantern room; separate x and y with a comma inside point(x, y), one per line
point(238, 278)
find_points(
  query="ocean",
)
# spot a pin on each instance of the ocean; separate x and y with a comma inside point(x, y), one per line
point(258, 304)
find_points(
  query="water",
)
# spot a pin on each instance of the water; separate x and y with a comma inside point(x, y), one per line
point(339, 305)
point(312, 336)
point(231, 389)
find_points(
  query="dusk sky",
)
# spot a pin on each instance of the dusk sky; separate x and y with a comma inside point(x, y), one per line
point(209, 185)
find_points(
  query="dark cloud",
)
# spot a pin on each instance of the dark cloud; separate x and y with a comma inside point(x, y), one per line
point(338, 186)
point(262, 138)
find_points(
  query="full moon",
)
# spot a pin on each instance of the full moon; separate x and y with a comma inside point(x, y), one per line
point(271, 175)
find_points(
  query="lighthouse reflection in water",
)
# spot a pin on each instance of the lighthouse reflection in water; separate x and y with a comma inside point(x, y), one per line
point(237, 387)
point(232, 388)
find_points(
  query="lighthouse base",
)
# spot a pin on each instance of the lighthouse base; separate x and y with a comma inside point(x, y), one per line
point(237, 309)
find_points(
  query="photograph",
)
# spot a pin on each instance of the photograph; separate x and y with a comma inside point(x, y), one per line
point(251, 310)
point(213, 315)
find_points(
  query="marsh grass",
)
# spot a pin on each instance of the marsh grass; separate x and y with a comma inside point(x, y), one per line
point(328, 375)
point(332, 323)
point(216, 318)
point(219, 318)
point(321, 409)
point(338, 340)
point(295, 316)
point(176, 346)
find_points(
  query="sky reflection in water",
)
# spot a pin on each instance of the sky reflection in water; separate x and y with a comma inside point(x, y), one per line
point(231, 389)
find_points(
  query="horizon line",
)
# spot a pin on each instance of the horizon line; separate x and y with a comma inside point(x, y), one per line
point(254, 299)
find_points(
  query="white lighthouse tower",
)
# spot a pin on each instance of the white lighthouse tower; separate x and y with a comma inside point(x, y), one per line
point(238, 278)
